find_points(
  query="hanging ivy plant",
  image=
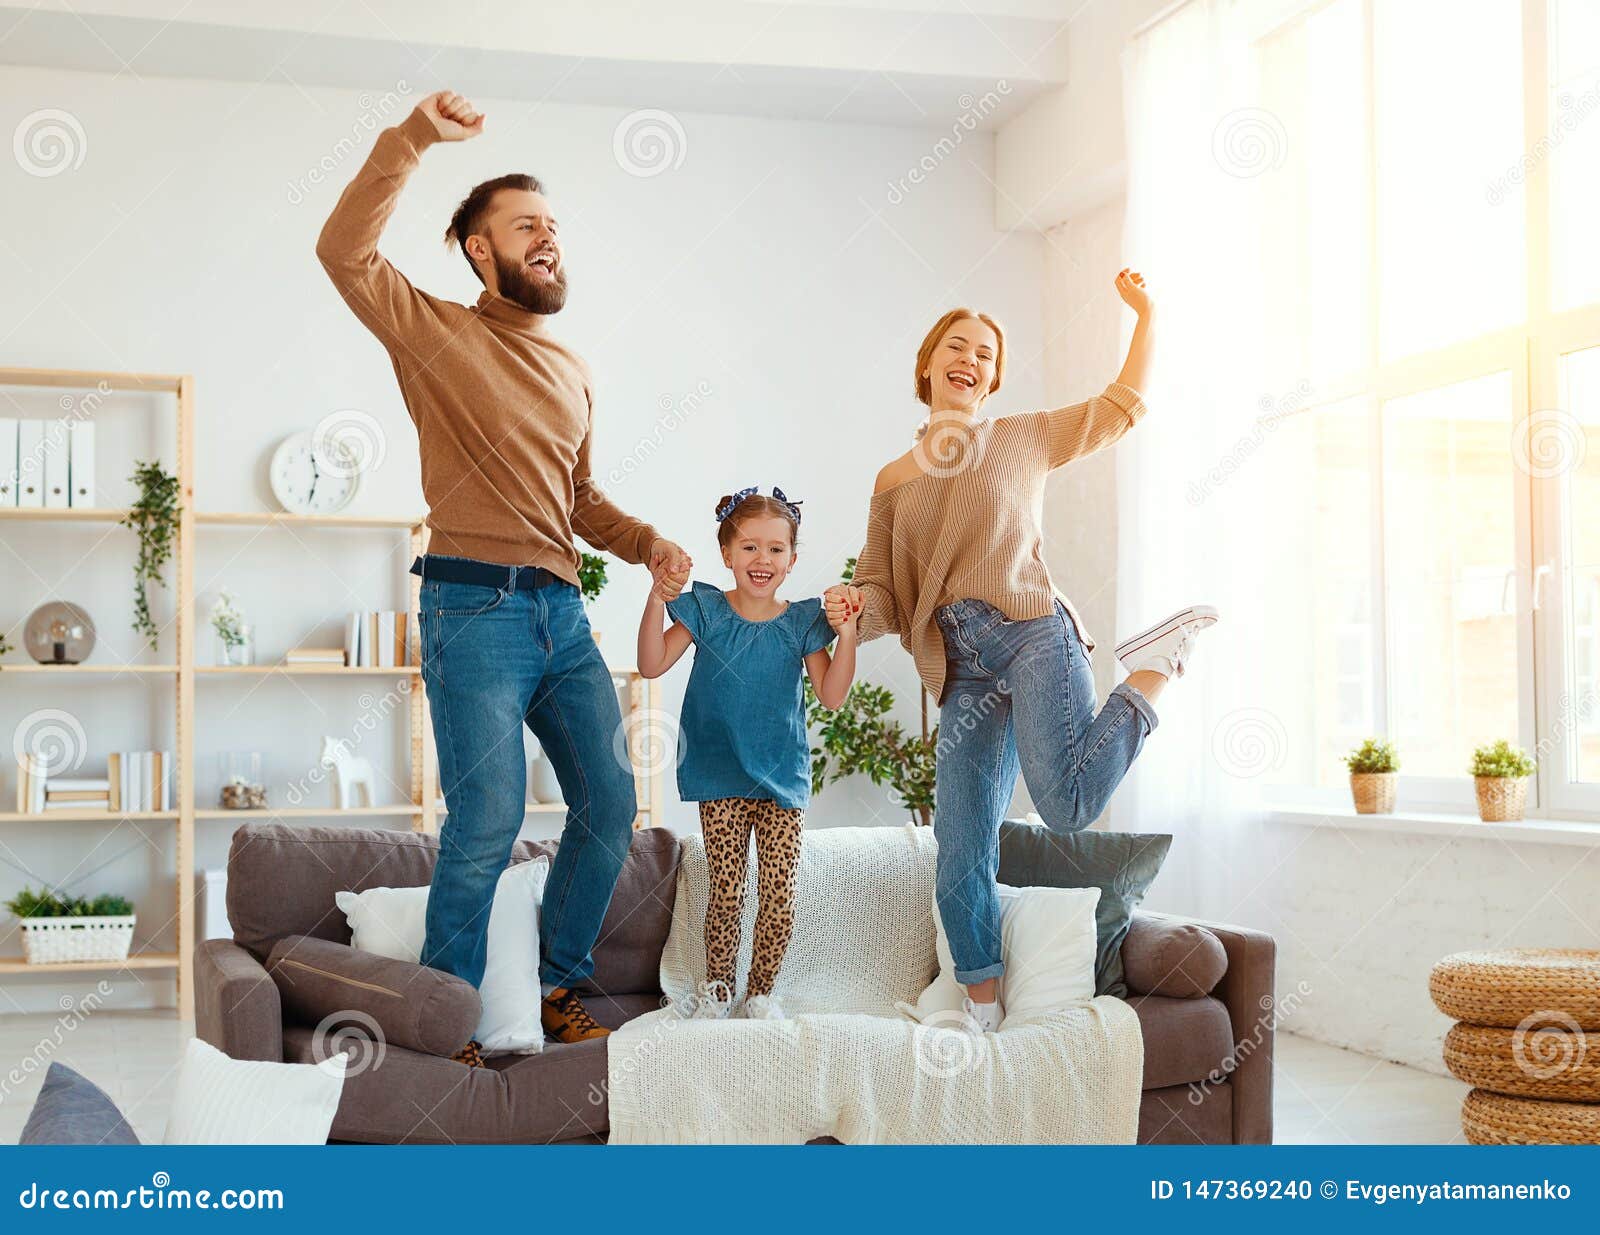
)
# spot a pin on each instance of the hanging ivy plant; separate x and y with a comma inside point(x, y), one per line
point(154, 516)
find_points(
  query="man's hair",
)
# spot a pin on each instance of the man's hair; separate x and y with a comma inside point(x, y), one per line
point(468, 218)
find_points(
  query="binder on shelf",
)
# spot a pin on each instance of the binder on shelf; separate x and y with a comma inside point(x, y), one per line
point(80, 452)
point(57, 464)
point(147, 779)
point(30, 463)
point(352, 640)
point(114, 780)
point(10, 428)
point(401, 655)
point(135, 792)
point(386, 639)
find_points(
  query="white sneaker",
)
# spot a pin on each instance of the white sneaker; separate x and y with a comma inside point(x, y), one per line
point(714, 1003)
point(764, 1008)
point(982, 1017)
point(1166, 647)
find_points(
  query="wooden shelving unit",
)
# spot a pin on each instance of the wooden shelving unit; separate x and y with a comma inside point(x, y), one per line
point(424, 807)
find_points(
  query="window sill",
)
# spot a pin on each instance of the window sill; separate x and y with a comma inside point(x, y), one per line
point(1421, 823)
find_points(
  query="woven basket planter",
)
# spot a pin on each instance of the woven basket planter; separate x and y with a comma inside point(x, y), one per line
point(1373, 792)
point(1495, 1119)
point(1541, 1060)
point(1501, 798)
point(1505, 988)
point(50, 941)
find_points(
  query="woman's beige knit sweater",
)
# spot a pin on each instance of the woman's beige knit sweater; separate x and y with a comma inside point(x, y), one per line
point(969, 526)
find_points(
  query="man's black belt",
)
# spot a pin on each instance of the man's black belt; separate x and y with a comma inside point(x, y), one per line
point(485, 574)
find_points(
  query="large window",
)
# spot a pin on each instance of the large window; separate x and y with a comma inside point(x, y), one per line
point(1436, 254)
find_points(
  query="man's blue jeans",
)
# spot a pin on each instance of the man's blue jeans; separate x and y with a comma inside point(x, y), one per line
point(1017, 693)
point(492, 659)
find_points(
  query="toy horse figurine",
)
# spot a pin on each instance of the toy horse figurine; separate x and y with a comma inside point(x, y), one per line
point(350, 773)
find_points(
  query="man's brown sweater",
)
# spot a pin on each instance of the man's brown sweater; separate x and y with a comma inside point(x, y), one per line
point(504, 413)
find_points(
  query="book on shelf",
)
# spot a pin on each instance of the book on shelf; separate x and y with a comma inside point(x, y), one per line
point(141, 781)
point(52, 794)
point(314, 656)
point(76, 784)
point(377, 639)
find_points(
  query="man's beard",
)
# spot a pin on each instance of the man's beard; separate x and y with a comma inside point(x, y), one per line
point(518, 284)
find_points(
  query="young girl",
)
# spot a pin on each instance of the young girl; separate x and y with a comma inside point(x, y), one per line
point(747, 761)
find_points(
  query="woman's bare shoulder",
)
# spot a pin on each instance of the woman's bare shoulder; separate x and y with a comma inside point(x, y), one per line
point(896, 472)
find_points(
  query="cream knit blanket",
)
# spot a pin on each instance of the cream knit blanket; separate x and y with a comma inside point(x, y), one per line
point(846, 1064)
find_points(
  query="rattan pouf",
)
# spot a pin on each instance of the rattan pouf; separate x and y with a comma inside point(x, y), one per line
point(1496, 1119)
point(1533, 1062)
point(1506, 988)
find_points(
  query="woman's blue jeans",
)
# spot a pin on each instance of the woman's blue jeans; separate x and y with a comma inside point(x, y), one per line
point(1017, 694)
point(494, 659)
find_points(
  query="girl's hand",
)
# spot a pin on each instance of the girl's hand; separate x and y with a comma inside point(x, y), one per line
point(1130, 286)
point(843, 604)
point(667, 585)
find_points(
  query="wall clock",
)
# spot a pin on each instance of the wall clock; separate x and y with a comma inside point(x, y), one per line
point(311, 477)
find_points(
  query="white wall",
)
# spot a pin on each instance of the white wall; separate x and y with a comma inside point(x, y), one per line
point(769, 272)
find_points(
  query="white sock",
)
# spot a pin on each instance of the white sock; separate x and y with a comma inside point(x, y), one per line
point(1155, 664)
point(545, 988)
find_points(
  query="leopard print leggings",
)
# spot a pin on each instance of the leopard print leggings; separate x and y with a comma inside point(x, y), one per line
point(726, 824)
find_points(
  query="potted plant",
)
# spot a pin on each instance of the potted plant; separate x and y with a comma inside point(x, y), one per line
point(591, 580)
point(235, 643)
point(1372, 766)
point(1501, 773)
point(72, 928)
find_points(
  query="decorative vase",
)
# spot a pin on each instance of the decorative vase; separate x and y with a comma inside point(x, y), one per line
point(1501, 798)
point(240, 649)
point(242, 788)
point(1373, 792)
point(543, 787)
point(59, 633)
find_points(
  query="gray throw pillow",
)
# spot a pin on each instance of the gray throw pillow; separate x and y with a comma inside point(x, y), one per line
point(73, 1110)
point(1122, 865)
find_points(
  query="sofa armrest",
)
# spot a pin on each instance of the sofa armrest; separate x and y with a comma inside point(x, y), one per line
point(236, 1005)
point(1247, 991)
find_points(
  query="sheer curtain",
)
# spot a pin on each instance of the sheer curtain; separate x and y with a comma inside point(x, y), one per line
point(1192, 480)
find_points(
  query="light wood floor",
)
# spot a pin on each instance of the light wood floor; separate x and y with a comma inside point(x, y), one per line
point(1324, 1095)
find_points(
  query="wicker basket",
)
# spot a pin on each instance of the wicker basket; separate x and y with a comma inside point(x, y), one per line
point(1495, 1119)
point(1501, 798)
point(50, 941)
point(1507, 987)
point(1540, 1060)
point(1373, 792)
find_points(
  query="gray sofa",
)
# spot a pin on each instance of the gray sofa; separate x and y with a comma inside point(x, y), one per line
point(1200, 990)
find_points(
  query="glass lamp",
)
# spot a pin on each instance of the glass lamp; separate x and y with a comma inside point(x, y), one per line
point(59, 633)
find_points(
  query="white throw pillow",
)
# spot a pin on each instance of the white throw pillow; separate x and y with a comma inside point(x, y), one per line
point(223, 1101)
point(393, 922)
point(1047, 938)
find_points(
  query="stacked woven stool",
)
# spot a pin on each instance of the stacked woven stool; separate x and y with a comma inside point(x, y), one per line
point(1527, 1038)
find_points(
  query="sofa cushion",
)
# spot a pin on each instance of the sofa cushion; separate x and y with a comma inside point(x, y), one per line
point(1121, 864)
point(282, 879)
point(1163, 956)
point(335, 988)
point(1185, 1040)
point(73, 1110)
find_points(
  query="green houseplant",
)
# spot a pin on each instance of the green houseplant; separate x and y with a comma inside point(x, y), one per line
point(154, 516)
point(858, 737)
point(1373, 766)
point(59, 928)
point(1500, 772)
